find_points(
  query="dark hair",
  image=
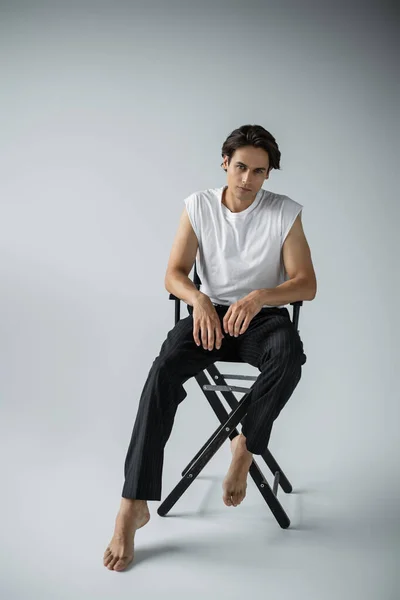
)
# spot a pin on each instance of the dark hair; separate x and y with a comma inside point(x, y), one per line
point(252, 135)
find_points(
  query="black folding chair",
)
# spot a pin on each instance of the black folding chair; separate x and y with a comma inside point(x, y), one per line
point(229, 421)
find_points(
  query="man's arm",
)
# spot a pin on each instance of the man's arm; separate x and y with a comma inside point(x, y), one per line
point(181, 260)
point(207, 329)
point(302, 283)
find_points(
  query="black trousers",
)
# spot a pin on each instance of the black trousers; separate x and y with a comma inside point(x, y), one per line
point(271, 343)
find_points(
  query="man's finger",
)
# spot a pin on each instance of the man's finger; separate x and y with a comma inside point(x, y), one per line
point(226, 319)
point(210, 337)
point(229, 325)
point(196, 334)
point(232, 324)
point(204, 340)
point(238, 324)
point(245, 325)
point(218, 337)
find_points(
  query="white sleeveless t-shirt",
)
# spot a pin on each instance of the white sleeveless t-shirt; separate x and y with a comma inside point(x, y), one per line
point(240, 252)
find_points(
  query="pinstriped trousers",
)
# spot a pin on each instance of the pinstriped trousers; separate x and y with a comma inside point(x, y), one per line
point(271, 343)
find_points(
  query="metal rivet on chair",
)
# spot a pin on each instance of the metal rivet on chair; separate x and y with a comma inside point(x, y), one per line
point(262, 485)
point(227, 429)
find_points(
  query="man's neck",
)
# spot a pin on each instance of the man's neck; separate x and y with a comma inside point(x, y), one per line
point(234, 204)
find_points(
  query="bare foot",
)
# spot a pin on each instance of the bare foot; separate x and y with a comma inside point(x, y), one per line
point(132, 515)
point(235, 482)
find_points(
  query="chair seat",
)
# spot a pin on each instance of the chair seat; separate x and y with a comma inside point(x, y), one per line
point(225, 388)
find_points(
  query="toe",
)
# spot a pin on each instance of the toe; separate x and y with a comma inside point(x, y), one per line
point(239, 495)
point(107, 559)
point(227, 499)
point(121, 564)
point(113, 562)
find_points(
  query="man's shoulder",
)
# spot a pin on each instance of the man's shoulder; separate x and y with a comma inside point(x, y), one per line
point(207, 193)
point(202, 198)
point(284, 201)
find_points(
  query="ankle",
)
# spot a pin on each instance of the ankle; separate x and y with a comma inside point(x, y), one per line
point(240, 449)
point(240, 442)
point(131, 503)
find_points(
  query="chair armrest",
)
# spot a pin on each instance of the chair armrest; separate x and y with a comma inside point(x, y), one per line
point(297, 303)
point(295, 318)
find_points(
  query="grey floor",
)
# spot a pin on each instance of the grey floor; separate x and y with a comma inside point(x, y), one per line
point(343, 541)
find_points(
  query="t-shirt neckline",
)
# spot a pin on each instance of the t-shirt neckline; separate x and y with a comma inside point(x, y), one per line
point(242, 213)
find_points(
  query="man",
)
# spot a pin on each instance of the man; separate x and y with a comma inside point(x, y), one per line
point(246, 240)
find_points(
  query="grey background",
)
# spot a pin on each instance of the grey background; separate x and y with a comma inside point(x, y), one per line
point(111, 114)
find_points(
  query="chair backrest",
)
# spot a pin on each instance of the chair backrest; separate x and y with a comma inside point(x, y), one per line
point(197, 282)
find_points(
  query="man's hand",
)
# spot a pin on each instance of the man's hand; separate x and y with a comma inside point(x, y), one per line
point(239, 314)
point(206, 320)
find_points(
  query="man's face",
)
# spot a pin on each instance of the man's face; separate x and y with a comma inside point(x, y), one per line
point(248, 169)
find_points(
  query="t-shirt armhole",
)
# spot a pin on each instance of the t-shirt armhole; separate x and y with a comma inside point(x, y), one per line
point(191, 212)
point(289, 217)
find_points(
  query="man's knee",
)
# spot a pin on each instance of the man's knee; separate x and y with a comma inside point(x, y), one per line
point(166, 378)
point(166, 364)
point(286, 346)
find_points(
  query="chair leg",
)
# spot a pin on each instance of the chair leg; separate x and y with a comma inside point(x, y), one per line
point(204, 455)
point(219, 410)
point(213, 444)
point(213, 399)
point(275, 468)
point(269, 495)
point(200, 452)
